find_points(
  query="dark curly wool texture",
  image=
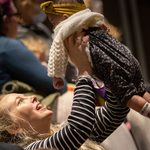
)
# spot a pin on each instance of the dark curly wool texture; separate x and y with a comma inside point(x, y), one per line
point(115, 65)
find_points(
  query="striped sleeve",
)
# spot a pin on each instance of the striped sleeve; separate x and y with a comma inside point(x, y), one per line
point(80, 121)
point(108, 118)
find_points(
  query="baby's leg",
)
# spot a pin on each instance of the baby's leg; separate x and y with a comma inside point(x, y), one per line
point(140, 104)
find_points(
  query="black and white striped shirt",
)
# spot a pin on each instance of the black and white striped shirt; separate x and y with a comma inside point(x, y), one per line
point(108, 118)
point(84, 121)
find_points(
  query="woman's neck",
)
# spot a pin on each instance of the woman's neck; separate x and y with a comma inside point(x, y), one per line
point(42, 128)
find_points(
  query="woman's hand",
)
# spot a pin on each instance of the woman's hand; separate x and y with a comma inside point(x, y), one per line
point(76, 45)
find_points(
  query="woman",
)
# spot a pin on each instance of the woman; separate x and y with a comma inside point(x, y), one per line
point(26, 113)
point(26, 120)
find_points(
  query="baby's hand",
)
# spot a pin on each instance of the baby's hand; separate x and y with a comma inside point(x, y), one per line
point(58, 83)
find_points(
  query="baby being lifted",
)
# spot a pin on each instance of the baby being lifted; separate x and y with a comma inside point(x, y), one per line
point(100, 57)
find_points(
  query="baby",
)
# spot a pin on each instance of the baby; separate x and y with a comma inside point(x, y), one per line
point(106, 59)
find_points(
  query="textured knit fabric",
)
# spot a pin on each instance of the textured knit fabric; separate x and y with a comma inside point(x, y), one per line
point(58, 57)
point(19, 63)
point(115, 65)
point(84, 122)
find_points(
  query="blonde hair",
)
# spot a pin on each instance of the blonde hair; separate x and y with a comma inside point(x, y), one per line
point(22, 137)
point(6, 122)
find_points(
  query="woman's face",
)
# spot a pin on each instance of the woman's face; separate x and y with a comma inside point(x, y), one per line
point(29, 109)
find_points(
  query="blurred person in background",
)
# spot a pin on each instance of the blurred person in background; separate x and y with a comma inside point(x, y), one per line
point(17, 62)
point(31, 29)
point(35, 34)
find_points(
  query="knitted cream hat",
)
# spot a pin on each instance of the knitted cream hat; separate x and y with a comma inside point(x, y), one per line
point(58, 57)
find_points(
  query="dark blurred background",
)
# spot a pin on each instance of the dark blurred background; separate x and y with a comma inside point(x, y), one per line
point(132, 17)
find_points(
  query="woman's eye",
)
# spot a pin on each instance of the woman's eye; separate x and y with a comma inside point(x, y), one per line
point(20, 101)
